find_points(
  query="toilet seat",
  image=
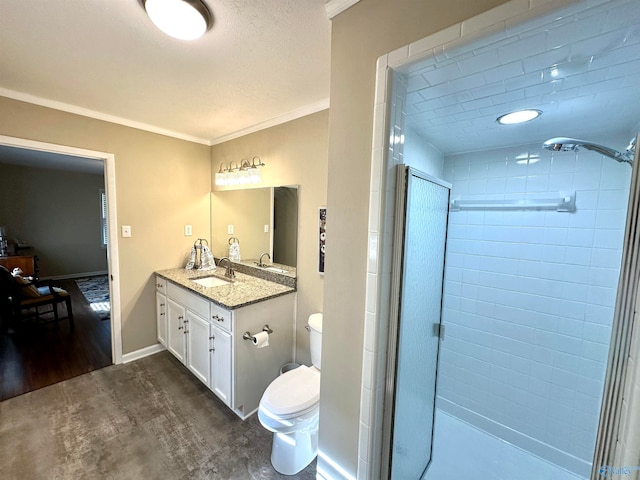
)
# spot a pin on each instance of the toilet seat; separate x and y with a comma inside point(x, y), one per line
point(292, 393)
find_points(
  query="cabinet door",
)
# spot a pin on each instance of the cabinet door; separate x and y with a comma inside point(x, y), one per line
point(197, 332)
point(221, 373)
point(161, 317)
point(176, 339)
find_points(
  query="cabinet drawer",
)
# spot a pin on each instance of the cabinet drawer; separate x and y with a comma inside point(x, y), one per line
point(161, 285)
point(221, 317)
point(191, 301)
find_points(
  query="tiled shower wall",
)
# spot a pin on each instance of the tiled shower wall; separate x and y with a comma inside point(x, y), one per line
point(529, 297)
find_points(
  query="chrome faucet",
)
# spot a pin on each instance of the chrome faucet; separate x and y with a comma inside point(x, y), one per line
point(260, 263)
point(229, 273)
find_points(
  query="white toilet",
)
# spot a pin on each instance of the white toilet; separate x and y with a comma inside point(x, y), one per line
point(289, 408)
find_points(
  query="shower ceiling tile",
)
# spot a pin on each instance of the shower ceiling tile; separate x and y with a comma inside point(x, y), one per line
point(456, 99)
point(416, 83)
point(598, 61)
point(500, 72)
point(544, 60)
point(442, 74)
point(479, 63)
point(523, 48)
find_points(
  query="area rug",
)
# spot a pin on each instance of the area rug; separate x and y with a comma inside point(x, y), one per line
point(96, 291)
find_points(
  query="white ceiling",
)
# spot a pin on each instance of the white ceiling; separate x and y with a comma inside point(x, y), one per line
point(455, 97)
point(262, 62)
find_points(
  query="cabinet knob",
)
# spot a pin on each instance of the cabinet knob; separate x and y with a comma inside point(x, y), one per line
point(180, 328)
point(162, 304)
point(161, 313)
point(180, 317)
point(212, 337)
point(212, 349)
point(185, 332)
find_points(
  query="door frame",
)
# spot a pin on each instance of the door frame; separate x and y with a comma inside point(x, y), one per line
point(113, 263)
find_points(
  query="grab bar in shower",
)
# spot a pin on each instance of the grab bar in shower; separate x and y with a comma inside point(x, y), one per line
point(564, 202)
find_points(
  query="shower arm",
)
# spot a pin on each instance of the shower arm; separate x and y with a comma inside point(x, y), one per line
point(609, 152)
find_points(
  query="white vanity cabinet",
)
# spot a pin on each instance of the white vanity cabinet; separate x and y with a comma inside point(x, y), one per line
point(198, 333)
point(220, 364)
point(208, 339)
point(161, 310)
point(176, 320)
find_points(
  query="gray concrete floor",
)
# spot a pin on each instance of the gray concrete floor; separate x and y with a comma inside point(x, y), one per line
point(149, 419)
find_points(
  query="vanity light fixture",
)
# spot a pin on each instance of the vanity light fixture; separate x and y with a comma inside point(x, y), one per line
point(244, 173)
point(519, 116)
point(181, 19)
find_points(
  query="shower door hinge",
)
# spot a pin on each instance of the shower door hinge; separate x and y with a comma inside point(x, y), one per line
point(438, 330)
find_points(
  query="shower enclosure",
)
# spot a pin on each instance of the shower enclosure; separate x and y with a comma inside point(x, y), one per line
point(533, 249)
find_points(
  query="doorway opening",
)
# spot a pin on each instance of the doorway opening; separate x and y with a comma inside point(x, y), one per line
point(96, 339)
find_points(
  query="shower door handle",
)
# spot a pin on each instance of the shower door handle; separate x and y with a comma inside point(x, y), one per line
point(438, 330)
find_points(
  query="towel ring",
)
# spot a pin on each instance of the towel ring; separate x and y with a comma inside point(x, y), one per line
point(233, 240)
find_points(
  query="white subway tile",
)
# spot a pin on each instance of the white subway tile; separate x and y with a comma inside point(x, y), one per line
point(494, 16)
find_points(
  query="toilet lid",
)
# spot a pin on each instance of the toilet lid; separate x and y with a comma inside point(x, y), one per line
point(292, 392)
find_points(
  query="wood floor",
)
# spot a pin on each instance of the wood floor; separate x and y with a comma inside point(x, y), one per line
point(39, 355)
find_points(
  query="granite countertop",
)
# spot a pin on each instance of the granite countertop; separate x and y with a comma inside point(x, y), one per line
point(243, 291)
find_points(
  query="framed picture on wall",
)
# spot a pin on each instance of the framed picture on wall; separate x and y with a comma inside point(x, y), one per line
point(322, 224)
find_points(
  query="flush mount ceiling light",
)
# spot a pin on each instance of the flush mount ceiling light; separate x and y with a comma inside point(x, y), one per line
point(519, 116)
point(181, 19)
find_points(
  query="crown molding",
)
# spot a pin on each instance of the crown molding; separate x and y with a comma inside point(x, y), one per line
point(287, 117)
point(65, 107)
point(85, 112)
point(336, 7)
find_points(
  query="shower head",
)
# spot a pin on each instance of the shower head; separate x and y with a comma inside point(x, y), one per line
point(563, 144)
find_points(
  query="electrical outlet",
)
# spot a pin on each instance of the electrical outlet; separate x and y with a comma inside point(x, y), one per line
point(266, 228)
point(230, 229)
point(188, 231)
point(126, 231)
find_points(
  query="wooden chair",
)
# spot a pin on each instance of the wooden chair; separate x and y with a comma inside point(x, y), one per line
point(21, 299)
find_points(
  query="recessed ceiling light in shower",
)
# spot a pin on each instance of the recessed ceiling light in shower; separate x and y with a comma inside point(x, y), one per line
point(181, 19)
point(519, 116)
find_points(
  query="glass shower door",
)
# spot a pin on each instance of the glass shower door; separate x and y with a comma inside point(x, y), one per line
point(422, 209)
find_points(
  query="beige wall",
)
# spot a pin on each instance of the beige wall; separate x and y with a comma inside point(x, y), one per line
point(162, 184)
point(56, 212)
point(295, 153)
point(359, 36)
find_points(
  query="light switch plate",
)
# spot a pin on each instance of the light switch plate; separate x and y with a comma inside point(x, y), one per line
point(266, 228)
point(126, 231)
point(188, 231)
point(230, 229)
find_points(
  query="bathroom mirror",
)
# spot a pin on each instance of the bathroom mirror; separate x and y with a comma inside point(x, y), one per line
point(262, 219)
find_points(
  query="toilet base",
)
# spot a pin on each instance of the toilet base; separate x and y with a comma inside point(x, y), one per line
point(292, 452)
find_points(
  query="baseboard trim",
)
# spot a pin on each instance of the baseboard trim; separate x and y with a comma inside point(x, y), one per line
point(143, 352)
point(76, 275)
point(327, 469)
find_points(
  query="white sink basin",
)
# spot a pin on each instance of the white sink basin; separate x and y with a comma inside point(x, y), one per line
point(210, 282)
point(276, 270)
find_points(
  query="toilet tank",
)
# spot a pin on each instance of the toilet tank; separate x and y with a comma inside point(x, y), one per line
point(315, 338)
